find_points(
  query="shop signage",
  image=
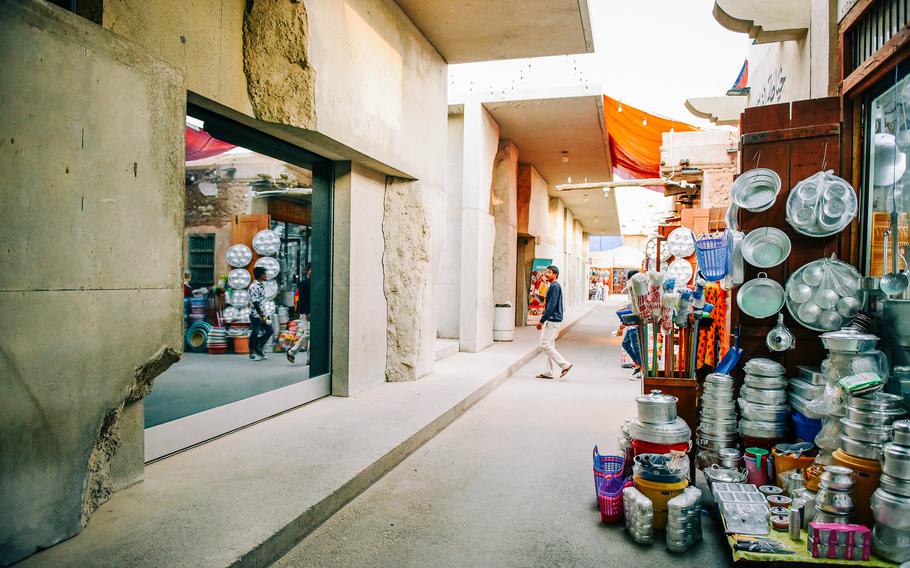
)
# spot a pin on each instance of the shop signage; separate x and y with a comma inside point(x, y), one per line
point(537, 290)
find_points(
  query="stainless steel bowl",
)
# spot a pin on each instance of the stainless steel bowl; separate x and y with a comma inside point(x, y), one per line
point(670, 433)
point(895, 485)
point(765, 430)
point(859, 449)
point(719, 412)
point(896, 462)
point(837, 502)
point(874, 418)
point(718, 427)
point(864, 432)
point(759, 396)
point(878, 401)
point(765, 383)
point(837, 478)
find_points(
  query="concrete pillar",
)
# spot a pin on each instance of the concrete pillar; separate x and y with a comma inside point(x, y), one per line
point(448, 290)
point(505, 214)
point(481, 139)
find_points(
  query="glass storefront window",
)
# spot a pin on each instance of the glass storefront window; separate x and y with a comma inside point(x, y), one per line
point(888, 147)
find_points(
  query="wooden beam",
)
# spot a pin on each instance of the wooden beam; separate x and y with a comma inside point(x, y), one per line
point(792, 134)
point(878, 65)
point(855, 13)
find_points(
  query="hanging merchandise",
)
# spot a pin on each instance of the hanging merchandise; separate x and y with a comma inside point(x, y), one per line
point(266, 242)
point(239, 298)
point(239, 278)
point(270, 289)
point(239, 256)
point(681, 271)
point(711, 252)
point(268, 308)
point(756, 190)
point(824, 295)
point(681, 242)
point(766, 247)
point(780, 338)
point(821, 205)
point(760, 297)
point(271, 265)
point(216, 342)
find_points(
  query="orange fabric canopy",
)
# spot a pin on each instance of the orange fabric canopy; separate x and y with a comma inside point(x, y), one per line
point(635, 138)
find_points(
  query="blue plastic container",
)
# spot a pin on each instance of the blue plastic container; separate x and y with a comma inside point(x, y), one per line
point(806, 429)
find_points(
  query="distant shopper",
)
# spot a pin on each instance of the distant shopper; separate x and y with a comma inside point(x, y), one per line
point(599, 294)
point(303, 324)
point(260, 330)
point(549, 326)
point(630, 342)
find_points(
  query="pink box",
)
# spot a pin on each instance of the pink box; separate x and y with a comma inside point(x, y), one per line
point(830, 540)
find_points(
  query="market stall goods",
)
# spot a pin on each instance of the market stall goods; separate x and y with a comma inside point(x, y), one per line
point(266, 242)
point(639, 515)
point(239, 255)
point(239, 298)
point(271, 265)
point(766, 247)
point(824, 295)
point(821, 205)
point(239, 278)
point(681, 242)
point(760, 297)
point(756, 190)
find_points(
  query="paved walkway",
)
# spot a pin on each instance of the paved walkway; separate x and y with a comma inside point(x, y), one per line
point(509, 483)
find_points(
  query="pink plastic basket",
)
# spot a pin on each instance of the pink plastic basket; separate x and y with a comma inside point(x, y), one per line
point(609, 498)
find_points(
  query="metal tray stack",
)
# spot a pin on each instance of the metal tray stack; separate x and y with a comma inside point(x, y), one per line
point(866, 427)
point(684, 520)
point(763, 400)
point(717, 419)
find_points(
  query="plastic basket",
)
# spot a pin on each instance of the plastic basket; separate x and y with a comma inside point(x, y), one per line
point(609, 498)
point(713, 257)
point(606, 465)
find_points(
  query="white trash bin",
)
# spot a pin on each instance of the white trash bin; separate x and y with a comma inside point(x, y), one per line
point(503, 322)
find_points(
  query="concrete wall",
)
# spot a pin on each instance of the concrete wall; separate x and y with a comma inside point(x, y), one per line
point(481, 141)
point(93, 173)
point(362, 75)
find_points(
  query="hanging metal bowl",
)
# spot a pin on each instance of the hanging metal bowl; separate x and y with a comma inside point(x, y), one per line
point(766, 247)
point(239, 298)
point(760, 297)
point(681, 270)
point(756, 190)
point(271, 266)
point(239, 278)
point(239, 256)
point(268, 307)
point(266, 242)
point(270, 289)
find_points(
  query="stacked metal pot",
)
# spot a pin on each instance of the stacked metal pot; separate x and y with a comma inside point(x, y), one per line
point(833, 502)
point(717, 420)
point(866, 426)
point(657, 422)
point(639, 515)
point(684, 520)
point(763, 402)
point(891, 501)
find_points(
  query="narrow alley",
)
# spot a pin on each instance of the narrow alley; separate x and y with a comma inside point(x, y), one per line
point(509, 483)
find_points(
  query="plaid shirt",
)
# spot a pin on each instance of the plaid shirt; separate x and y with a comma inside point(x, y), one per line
point(257, 296)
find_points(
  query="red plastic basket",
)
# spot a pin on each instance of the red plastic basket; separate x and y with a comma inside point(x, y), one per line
point(642, 447)
point(609, 498)
point(606, 465)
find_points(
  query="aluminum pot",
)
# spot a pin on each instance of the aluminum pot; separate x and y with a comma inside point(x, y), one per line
point(837, 478)
point(719, 412)
point(859, 449)
point(831, 518)
point(873, 418)
point(719, 379)
point(894, 485)
point(891, 544)
point(764, 430)
point(901, 432)
point(731, 458)
point(718, 427)
point(764, 412)
point(864, 432)
point(891, 510)
point(656, 407)
point(896, 461)
point(849, 341)
point(837, 502)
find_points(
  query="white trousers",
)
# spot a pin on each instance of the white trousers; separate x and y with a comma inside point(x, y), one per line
point(555, 361)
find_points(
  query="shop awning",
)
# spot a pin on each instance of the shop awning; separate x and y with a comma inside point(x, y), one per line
point(200, 145)
point(635, 138)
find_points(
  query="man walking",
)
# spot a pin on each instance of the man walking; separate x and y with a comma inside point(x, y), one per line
point(260, 330)
point(549, 326)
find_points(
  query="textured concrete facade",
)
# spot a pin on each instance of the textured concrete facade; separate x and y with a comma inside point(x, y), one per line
point(93, 185)
point(505, 214)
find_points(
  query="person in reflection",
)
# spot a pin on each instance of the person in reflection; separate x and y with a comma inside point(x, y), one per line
point(303, 324)
point(260, 330)
point(549, 325)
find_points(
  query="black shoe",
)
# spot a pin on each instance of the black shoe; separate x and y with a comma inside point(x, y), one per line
point(290, 357)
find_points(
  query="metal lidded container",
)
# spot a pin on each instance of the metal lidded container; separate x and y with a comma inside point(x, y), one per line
point(901, 432)
point(849, 341)
point(897, 461)
point(656, 407)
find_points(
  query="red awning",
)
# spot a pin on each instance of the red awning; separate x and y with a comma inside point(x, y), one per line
point(200, 144)
point(635, 138)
